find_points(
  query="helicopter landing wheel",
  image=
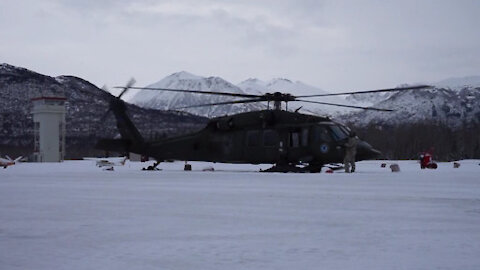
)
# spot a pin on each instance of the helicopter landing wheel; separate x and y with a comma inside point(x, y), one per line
point(314, 168)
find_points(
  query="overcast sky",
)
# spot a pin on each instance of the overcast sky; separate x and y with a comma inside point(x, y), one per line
point(334, 45)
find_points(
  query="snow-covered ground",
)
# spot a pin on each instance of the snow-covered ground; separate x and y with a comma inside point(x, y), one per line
point(73, 215)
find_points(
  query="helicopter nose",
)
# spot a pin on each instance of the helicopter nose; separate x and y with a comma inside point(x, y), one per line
point(365, 151)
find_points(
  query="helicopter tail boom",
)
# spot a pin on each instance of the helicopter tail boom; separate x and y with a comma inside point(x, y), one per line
point(113, 145)
point(132, 140)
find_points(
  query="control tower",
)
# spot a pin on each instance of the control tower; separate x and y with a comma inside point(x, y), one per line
point(49, 128)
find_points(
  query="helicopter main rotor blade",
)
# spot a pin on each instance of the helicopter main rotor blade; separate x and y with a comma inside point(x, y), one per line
point(408, 88)
point(223, 103)
point(197, 92)
point(346, 106)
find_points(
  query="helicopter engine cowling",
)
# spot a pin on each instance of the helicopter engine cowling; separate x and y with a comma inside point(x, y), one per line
point(225, 124)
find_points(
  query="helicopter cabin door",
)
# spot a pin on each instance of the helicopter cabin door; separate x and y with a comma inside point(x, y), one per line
point(298, 142)
point(262, 146)
point(271, 145)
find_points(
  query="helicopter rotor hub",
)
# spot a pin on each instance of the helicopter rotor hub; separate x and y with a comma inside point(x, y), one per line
point(277, 98)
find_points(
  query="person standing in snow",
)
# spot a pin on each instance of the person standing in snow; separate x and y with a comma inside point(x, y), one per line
point(350, 152)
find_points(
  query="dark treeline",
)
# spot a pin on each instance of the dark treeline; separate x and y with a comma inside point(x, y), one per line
point(407, 141)
point(404, 141)
point(75, 147)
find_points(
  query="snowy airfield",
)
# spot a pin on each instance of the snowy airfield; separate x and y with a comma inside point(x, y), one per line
point(73, 215)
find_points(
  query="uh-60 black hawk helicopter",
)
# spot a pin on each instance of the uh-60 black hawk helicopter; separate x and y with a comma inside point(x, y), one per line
point(291, 141)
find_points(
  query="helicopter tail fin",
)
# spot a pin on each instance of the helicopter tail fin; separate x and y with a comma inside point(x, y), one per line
point(132, 140)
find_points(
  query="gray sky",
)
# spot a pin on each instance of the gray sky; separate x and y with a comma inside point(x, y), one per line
point(335, 45)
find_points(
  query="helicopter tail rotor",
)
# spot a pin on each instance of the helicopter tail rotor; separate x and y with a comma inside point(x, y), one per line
point(127, 87)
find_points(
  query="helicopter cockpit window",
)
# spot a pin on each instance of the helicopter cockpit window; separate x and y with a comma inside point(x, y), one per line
point(322, 134)
point(338, 133)
point(345, 129)
point(253, 138)
point(270, 138)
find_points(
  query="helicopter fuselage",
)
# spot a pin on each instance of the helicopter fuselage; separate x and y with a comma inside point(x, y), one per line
point(268, 136)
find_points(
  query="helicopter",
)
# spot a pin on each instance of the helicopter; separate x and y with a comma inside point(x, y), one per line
point(291, 141)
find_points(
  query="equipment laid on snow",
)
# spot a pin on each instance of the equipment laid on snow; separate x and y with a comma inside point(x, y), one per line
point(8, 161)
point(152, 167)
point(395, 167)
point(208, 169)
point(108, 162)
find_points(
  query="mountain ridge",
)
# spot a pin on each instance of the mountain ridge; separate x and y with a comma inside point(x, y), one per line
point(452, 105)
point(86, 104)
point(166, 100)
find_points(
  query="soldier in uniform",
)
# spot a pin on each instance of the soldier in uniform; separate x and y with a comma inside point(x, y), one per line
point(350, 152)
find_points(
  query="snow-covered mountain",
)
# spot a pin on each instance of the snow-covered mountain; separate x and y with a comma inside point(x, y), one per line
point(166, 100)
point(183, 80)
point(254, 86)
point(459, 83)
point(367, 100)
point(452, 106)
point(454, 101)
